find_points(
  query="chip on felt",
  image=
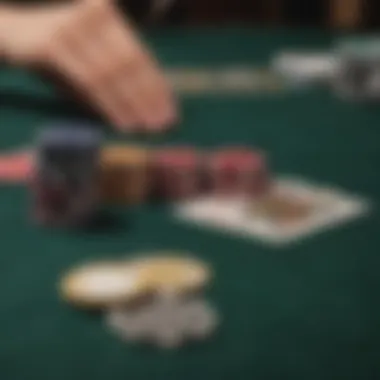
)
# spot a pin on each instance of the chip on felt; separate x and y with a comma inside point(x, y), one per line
point(177, 172)
point(171, 272)
point(201, 318)
point(238, 171)
point(102, 284)
point(131, 325)
point(124, 173)
point(123, 153)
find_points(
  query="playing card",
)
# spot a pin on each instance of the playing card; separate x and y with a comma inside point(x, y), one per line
point(294, 210)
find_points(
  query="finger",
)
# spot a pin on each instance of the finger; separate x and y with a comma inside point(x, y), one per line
point(153, 98)
point(66, 60)
point(102, 67)
point(153, 101)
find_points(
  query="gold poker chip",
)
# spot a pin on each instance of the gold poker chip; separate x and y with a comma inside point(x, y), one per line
point(116, 154)
point(124, 173)
point(173, 273)
point(102, 284)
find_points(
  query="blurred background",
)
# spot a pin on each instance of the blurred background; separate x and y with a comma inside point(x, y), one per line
point(337, 14)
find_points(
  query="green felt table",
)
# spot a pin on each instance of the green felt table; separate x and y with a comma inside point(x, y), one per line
point(307, 311)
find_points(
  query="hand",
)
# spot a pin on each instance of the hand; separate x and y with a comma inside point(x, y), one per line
point(92, 47)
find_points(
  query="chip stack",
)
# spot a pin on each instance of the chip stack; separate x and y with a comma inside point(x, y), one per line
point(237, 171)
point(177, 172)
point(65, 182)
point(125, 174)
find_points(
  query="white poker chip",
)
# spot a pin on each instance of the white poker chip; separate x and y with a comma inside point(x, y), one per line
point(102, 284)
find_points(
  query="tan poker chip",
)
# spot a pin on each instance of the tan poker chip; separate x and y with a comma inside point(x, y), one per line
point(173, 273)
point(124, 173)
point(123, 154)
point(102, 284)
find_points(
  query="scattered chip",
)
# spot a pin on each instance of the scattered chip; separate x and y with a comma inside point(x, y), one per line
point(168, 322)
point(173, 273)
point(103, 284)
point(201, 319)
point(132, 325)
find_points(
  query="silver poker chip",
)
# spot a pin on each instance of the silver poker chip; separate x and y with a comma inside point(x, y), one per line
point(131, 325)
point(168, 322)
point(200, 319)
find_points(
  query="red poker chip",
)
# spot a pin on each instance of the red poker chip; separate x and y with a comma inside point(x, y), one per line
point(238, 171)
point(176, 157)
point(177, 172)
point(241, 158)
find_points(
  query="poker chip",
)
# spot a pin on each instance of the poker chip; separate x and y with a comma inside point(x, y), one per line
point(124, 173)
point(200, 319)
point(168, 336)
point(237, 171)
point(131, 325)
point(123, 153)
point(102, 284)
point(177, 172)
point(170, 274)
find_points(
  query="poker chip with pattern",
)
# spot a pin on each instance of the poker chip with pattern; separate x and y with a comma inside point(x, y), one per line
point(171, 273)
point(169, 322)
point(238, 171)
point(102, 284)
point(177, 172)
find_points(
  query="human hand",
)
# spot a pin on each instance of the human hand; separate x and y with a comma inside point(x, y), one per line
point(96, 51)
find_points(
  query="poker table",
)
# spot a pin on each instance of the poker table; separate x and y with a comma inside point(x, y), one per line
point(309, 310)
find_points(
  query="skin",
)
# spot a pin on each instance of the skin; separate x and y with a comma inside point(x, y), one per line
point(99, 53)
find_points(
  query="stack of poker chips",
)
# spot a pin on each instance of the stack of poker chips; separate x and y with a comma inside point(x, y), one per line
point(74, 174)
point(174, 173)
point(65, 179)
point(125, 174)
point(155, 298)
